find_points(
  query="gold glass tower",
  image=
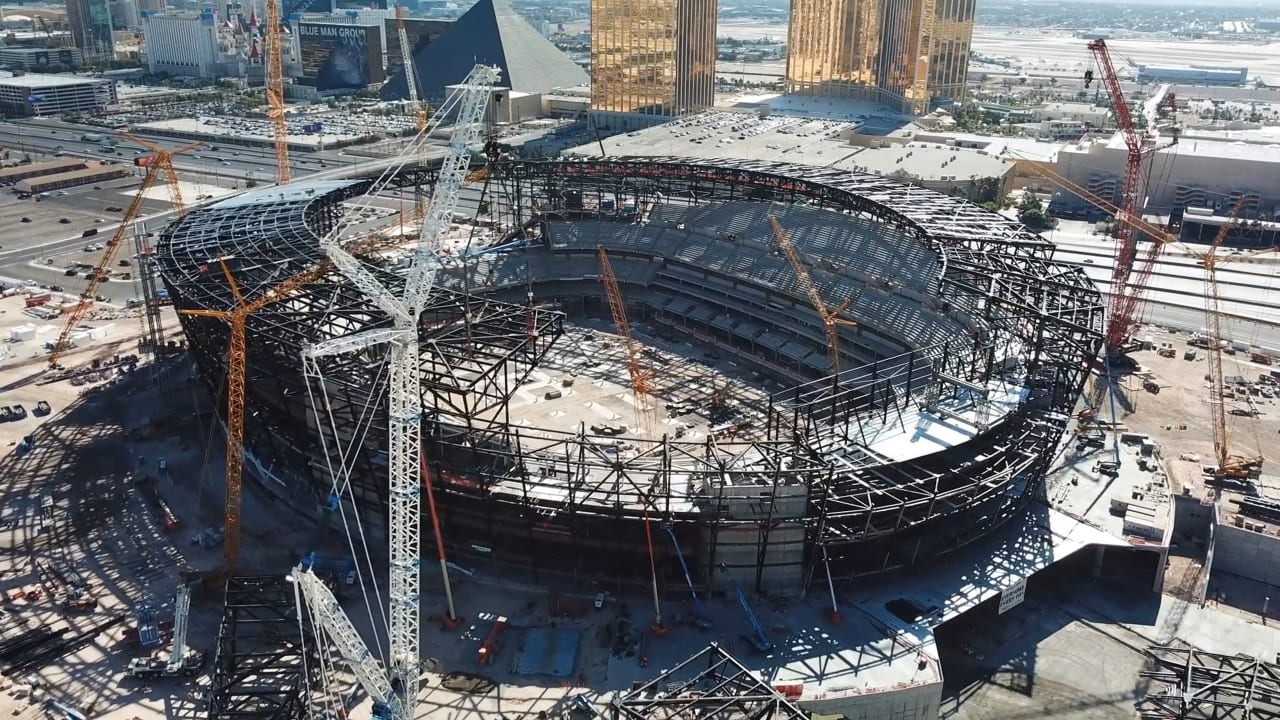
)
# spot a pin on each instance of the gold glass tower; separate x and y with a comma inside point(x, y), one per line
point(652, 57)
point(903, 53)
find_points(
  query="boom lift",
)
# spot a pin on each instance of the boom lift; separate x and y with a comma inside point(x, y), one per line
point(640, 374)
point(275, 93)
point(1230, 467)
point(161, 165)
point(831, 321)
point(396, 688)
point(699, 613)
point(759, 640)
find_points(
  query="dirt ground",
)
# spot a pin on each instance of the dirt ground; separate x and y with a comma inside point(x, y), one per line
point(1179, 416)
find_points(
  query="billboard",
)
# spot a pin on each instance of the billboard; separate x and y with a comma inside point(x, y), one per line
point(420, 33)
point(340, 57)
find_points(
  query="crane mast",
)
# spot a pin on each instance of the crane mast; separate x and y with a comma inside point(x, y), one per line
point(405, 409)
point(275, 93)
point(237, 366)
point(181, 615)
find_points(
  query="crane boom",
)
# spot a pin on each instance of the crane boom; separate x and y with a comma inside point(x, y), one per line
point(1228, 466)
point(410, 72)
point(635, 365)
point(1124, 293)
point(329, 615)
point(163, 163)
point(181, 616)
point(275, 93)
point(831, 321)
point(467, 131)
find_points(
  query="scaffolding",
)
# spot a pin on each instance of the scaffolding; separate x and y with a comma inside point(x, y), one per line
point(264, 650)
point(1190, 683)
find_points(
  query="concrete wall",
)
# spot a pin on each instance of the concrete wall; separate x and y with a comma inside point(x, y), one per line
point(918, 702)
point(1248, 554)
point(737, 541)
point(1191, 518)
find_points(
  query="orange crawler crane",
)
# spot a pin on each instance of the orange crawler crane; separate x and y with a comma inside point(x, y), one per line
point(640, 375)
point(831, 321)
point(238, 318)
point(161, 165)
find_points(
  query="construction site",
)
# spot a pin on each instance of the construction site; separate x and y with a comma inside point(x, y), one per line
point(635, 438)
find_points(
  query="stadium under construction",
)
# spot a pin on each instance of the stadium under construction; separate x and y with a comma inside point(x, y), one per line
point(970, 347)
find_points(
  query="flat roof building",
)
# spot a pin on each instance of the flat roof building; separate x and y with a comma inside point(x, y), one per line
point(40, 59)
point(903, 53)
point(651, 60)
point(74, 178)
point(35, 94)
point(13, 174)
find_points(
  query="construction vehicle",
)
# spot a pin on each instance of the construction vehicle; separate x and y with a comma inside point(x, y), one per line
point(163, 165)
point(1229, 467)
point(759, 640)
point(699, 613)
point(182, 660)
point(1126, 295)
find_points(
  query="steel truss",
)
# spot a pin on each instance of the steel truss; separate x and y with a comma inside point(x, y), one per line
point(263, 652)
point(710, 684)
point(1208, 686)
point(550, 503)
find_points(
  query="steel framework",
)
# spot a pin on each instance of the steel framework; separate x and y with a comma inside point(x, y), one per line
point(1208, 686)
point(950, 302)
point(263, 652)
point(710, 684)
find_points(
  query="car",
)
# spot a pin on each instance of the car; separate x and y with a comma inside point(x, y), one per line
point(70, 272)
point(56, 288)
point(123, 263)
point(64, 221)
point(113, 208)
point(26, 219)
point(88, 248)
point(599, 601)
point(19, 412)
point(98, 220)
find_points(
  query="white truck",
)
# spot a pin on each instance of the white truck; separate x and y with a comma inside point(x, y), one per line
point(181, 660)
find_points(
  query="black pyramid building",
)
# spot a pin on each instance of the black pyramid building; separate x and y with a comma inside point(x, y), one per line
point(494, 34)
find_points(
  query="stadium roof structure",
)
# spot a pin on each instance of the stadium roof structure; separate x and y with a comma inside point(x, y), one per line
point(710, 684)
point(491, 32)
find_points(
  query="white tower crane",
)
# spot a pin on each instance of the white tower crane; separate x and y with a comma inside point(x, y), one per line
point(410, 73)
point(404, 516)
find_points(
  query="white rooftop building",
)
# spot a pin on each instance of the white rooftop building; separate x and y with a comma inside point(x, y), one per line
point(187, 45)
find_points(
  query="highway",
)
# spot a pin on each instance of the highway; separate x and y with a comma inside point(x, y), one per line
point(1175, 294)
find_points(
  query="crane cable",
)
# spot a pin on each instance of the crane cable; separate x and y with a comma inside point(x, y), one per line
point(342, 476)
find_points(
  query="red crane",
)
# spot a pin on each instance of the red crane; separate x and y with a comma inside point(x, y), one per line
point(1125, 295)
